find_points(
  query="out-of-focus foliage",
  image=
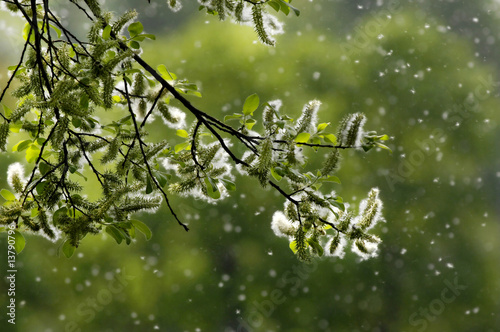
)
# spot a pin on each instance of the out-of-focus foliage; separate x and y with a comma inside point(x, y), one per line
point(438, 266)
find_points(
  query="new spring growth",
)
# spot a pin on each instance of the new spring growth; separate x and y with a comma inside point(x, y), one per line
point(351, 130)
point(281, 226)
point(370, 209)
point(15, 177)
point(308, 119)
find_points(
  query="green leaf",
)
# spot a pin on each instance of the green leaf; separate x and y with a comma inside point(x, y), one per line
point(293, 246)
point(22, 145)
point(81, 175)
point(58, 214)
point(6, 110)
point(115, 233)
point(229, 185)
point(302, 138)
point(149, 186)
point(40, 187)
point(251, 104)
point(135, 45)
point(295, 10)
point(249, 123)
point(383, 146)
point(384, 138)
point(20, 242)
point(275, 175)
point(231, 117)
point(68, 249)
point(316, 246)
point(212, 189)
point(182, 133)
point(275, 5)
point(44, 168)
point(143, 228)
point(332, 178)
point(149, 35)
point(165, 73)
point(32, 153)
point(7, 195)
point(106, 32)
point(182, 146)
point(135, 28)
point(330, 138)
point(322, 126)
point(56, 29)
point(26, 31)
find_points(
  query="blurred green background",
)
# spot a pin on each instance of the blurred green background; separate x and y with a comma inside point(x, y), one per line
point(428, 76)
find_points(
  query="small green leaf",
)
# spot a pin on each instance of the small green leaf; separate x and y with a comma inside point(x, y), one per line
point(212, 189)
point(332, 178)
point(275, 175)
point(6, 110)
point(330, 138)
point(59, 213)
point(20, 242)
point(275, 5)
point(383, 146)
point(182, 146)
point(302, 138)
point(32, 153)
point(7, 195)
point(229, 185)
point(249, 123)
point(106, 32)
point(115, 233)
point(22, 145)
point(384, 138)
point(68, 249)
point(57, 30)
point(143, 228)
point(295, 10)
point(231, 117)
point(182, 133)
point(26, 31)
point(149, 35)
point(149, 186)
point(316, 246)
point(293, 246)
point(135, 45)
point(135, 28)
point(251, 104)
point(322, 126)
point(165, 73)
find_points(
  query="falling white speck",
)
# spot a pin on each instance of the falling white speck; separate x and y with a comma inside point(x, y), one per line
point(316, 75)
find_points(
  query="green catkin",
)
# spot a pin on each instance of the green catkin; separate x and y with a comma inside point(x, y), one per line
point(238, 11)
point(258, 21)
point(220, 7)
point(331, 164)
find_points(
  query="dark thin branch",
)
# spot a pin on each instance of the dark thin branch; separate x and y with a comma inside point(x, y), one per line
point(15, 71)
point(150, 172)
point(152, 107)
point(193, 146)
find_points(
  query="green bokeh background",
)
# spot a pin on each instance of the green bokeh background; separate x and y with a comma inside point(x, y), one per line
point(428, 77)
